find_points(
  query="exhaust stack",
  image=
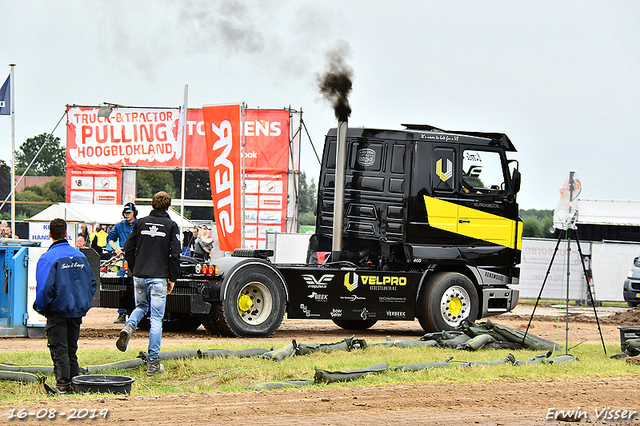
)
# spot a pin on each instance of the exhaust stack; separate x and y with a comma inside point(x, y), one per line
point(338, 201)
point(335, 85)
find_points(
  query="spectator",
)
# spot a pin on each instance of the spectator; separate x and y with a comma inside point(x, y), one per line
point(80, 242)
point(116, 238)
point(65, 285)
point(187, 242)
point(192, 246)
point(99, 241)
point(202, 246)
point(153, 253)
point(85, 234)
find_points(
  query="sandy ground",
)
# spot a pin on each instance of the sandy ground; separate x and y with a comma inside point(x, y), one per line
point(505, 403)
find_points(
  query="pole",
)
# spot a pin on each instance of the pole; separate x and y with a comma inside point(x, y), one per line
point(12, 92)
point(242, 156)
point(571, 188)
point(566, 340)
point(184, 148)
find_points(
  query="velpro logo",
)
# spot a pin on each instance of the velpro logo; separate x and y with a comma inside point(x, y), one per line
point(351, 281)
point(444, 173)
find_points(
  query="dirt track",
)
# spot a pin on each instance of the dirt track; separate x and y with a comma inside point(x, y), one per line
point(503, 403)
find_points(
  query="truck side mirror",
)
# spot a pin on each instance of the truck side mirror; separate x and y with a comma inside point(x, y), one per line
point(516, 178)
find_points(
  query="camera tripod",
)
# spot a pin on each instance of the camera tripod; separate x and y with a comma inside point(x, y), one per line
point(565, 233)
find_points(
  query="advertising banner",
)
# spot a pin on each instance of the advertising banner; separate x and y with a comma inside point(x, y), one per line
point(149, 138)
point(222, 135)
point(93, 185)
point(99, 147)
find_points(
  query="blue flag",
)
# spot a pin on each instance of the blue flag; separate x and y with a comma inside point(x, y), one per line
point(5, 98)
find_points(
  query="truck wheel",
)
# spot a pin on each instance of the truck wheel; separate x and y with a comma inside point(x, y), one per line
point(632, 304)
point(254, 305)
point(354, 324)
point(448, 299)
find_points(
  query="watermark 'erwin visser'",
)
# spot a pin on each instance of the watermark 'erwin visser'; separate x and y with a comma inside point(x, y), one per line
point(605, 413)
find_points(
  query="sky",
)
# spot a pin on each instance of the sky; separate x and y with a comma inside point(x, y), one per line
point(560, 78)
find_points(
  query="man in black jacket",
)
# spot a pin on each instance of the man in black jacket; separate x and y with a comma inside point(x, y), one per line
point(153, 253)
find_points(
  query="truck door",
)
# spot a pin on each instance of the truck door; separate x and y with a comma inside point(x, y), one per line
point(486, 219)
point(433, 177)
point(459, 200)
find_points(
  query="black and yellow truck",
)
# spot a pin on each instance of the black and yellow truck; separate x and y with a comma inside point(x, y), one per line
point(428, 226)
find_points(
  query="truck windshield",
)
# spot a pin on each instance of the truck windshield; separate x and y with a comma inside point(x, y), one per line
point(482, 171)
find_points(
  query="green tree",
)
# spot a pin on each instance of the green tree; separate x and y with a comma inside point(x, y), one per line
point(531, 227)
point(197, 187)
point(39, 198)
point(306, 201)
point(307, 218)
point(148, 182)
point(306, 195)
point(52, 160)
point(5, 184)
point(537, 223)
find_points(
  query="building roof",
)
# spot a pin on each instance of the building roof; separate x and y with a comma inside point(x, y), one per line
point(609, 212)
point(106, 214)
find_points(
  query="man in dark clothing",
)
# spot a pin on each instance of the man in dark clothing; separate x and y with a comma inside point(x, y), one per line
point(116, 239)
point(64, 287)
point(153, 253)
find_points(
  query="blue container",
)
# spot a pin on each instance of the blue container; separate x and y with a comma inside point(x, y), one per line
point(13, 294)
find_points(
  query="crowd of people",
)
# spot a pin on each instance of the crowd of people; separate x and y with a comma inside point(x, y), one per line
point(5, 230)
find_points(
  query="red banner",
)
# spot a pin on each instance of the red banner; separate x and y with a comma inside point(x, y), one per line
point(222, 135)
point(149, 137)
point(266, 140)
point(98, 147)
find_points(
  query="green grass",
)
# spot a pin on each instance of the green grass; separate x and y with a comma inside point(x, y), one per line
point(197, 375)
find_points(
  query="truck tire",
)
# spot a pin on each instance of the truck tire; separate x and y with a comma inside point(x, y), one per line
point(354, 324)
point(254, 305)
point(448, 299)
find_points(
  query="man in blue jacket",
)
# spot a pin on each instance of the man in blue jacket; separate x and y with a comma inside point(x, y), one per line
point(65, 285)
point(116, 239)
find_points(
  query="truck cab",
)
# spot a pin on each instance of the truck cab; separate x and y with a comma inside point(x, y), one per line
point(429, 201)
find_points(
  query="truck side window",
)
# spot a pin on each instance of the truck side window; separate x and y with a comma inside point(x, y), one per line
point(482, 172)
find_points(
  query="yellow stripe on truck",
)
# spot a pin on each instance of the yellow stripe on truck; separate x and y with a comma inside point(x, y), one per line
point(473, 223)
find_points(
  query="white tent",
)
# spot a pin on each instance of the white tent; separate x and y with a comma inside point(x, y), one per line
point(107, 214)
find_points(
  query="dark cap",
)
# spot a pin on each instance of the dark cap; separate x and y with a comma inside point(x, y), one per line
point(130, 208)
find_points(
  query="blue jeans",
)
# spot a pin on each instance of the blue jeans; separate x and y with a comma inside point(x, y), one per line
point(150, 292)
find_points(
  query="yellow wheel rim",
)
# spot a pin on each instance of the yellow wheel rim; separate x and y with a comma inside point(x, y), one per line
point(244, 303)
point(455, 306)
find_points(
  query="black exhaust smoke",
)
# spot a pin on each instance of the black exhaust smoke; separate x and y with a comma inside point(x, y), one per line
point(335, 86)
